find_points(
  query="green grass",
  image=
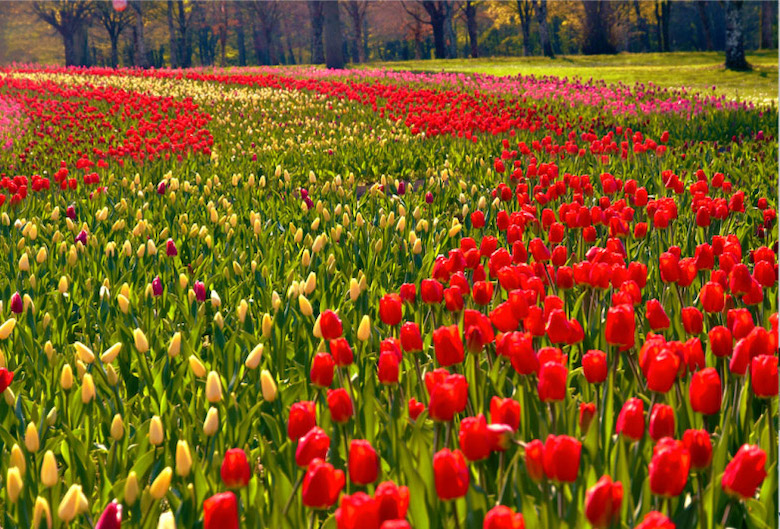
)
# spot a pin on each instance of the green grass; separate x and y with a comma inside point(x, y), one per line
point(699, 71)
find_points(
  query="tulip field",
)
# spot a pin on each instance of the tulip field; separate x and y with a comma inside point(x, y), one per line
point(371, 299)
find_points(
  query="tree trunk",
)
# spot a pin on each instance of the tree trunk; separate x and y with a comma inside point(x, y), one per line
point(334, 50)
point(658, 32)
point(701, 6)
point(70, 50)
point(450, 40)
point(240, 40)
point(767, 9)
point(184, 47)
point(471, 27)
point(735, 46)
point(172, 36)
point(315, 16)
point(139, 48)
point(642, 27)
point(596, 29)
point(540, 7)
point(114, 50)
point(666, 12)
point(437, 25)
point(524, 13)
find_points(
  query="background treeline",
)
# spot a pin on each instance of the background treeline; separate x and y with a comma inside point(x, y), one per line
point(183, 33)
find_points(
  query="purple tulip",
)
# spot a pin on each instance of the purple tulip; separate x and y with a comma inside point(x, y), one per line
point(111, 517)
point(82, 237)
point(304, 193)
point(157, 286)
point(170, 248)
point(70, 212)
point(161, 188)
point(17, 306)
point(200, 290)
point(401, 187)
point(429, 198)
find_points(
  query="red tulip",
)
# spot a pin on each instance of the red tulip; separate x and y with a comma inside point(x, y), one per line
point(669, 468)
point(745, 473)
point(661, 422)
point(220, 511)
point(411, 340)
point(552, 382)
point(448, 346)
point(561, 458)
point(594, 365)
point(322, 485)
point(662, 370)
point(341, 352)
point(534, 459)
point(740, 322)
point(712, 297)
point(302, 419)
point(482, 292)
point(393, 501)
point(504, 317)
point(477, 329)
point(518, 347)
point(763, 376)
point(431, 291)
point(669, 266)
point(235, 469)
point(170, 248)
point(693, 320)
point(415, 408)
point(321, 373)
point(17, 305)
point(631, 420)
point(340, 405)
point(391, 309)
point(473, 438)
point(502, 517)
point(557, 327)
point(363, 462)
point(448, 397)
point(655, 520)
point(620, 325)
point(408, 292)
point(358, 511)
point(656, 315)
point(111, 517)
point(387, 370)
point(453, 299)
point(330, 325)
point(505, 411)
point(311, 446)
point(699, 446)
point(451, 475)
point(705, 391)
point(721, 342)
point(587, 412)
point(603, 501)
point(6, 377)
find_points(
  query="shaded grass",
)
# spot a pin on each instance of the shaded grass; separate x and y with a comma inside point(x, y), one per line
point(697, 71)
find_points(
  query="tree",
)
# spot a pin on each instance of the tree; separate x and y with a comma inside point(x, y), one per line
point(114, 23)
point(735, 46)
point(767, 14)
point(663, 12)
point(596, 38)
point(240, 37)
point(439, 15)
point(357, 10)
point(540, 8)
point(334, 52)
point(524, 13)
point(470, 10)
point(641, 23)
point(265, 31)
point(139, 47)
point(70, 19)
point(315, 17)
point(701, 6)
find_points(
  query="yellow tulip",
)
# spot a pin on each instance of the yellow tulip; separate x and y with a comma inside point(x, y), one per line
point(111, 353)
point(183, 459)
point(268, 385)
point(213, 388)
point(41, 512)
point(131, 488)
point(174, 348)
point(161, 483)
point(17, 459)
point(87, 388)
point(70, 504)
point(7, 328)
point(364, 330)
point(155, 431)
point(117, 428)
point(141, 343)
point(211, 424)
point(31, 441)
point(66, 377)
point(49, 474)
point(254, 357)
point(13, 484)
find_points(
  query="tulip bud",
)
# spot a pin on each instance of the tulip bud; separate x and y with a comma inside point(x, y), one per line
point(111, 375)
point(111, 353)
point(62, 286)
point(161, 484)
point(183, 459)
point(17, 459)
point(41, 512)
point(70, 504)
point(311, 283)
point(24, 263)
point(13, 484)
point(276, 300)
point(197, 367)
point(364, 330)
point(87, 388)
point(131, 488)
point(213, 388)
point(155, 431)
point(218, 320)
point(117, 428)
point(253, 360)
point(268, 385)
point(175, 346)
point(243, 306)
point(124, 303)
point(304, 306)
point(49, 475)
point(354, 289)
point(268, 323)
point(66, 377)
point(31, 441)
point(141, 343)
point(7, 328)
point(166, 521)
point(211, 424)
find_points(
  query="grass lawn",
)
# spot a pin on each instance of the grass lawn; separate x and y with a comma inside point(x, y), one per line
point(699, 71)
